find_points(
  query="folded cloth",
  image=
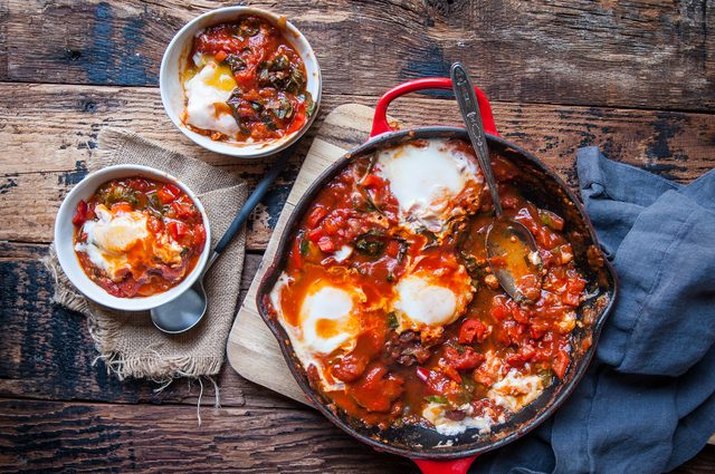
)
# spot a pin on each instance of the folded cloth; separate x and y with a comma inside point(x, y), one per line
point(647, 404)
point(128, 342)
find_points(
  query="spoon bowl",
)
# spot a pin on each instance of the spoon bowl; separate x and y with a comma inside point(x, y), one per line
point(182, 313)
point(514, 259)
point(511, 248)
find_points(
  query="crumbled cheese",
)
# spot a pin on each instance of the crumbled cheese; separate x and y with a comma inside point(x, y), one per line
point(435, 414)
point(516, 390)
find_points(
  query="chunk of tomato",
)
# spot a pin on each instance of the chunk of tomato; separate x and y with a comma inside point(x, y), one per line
point(155, 225)
point(183, 210)
point(315, 216)
point(326, 245)
point(199, 235)
point(561, 363)
point(80, 215)
point(471, 330)
point(350, 367)
point(525, 354)
point(168, 193)
point(377, 389)
point(499, 309)
point(371, 181)
point(315, 234)
point(177, 229)
point(467, 359)
point(437, 383)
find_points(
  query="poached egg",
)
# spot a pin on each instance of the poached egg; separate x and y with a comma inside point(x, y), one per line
point(427, 299)
point(206, 93)
point(430, 180)
point(328, 319)
point(120, 241)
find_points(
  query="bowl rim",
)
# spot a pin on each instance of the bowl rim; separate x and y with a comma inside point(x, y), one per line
point(231, 149)
point(67, 257)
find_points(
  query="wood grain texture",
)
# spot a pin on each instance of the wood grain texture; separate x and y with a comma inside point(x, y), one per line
point(47, 353)
point(629, 53)
point(46, 148)
point(39, 436)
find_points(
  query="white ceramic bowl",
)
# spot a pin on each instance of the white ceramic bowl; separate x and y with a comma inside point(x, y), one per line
point(64, 240)
point(172, 90)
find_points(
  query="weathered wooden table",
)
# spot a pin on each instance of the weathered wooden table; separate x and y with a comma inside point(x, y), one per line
point(634, 77)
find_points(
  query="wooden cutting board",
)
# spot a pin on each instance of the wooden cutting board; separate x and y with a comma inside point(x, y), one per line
point(252, 350)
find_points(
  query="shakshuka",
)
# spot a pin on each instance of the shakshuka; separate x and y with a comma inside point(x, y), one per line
point(137, 236)
point(390, 303)
point(245, 82)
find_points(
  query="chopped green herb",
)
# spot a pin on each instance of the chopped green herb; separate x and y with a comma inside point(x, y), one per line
point(304, 246)
point(249, 27)
point(371, 243)
point(551, 220)
point(309, 104)
point(236, 63)
point(279, 63)
point(436, 399)
point(431, 239)
point(392, 320)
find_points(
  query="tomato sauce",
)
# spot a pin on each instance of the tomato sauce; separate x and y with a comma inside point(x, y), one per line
point(137, 236)
point(270, 99)
point(391, 374)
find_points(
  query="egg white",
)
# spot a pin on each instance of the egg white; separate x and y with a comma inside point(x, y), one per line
point(425, 181)
point(211, 85)
point(427, 300)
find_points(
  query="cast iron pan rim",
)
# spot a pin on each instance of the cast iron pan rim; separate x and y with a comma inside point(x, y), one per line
point(272, 273)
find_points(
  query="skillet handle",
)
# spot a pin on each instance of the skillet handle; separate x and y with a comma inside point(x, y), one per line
point(379, 121)
point(453, 466)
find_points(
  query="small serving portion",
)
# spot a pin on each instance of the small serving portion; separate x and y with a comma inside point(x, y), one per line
point(245, 82)
point(390, 303)
point(137, 236)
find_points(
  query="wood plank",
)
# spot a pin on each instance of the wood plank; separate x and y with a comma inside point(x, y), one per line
point(42, 436)
point(46, 148)
point(48, 352)
point(635, 53)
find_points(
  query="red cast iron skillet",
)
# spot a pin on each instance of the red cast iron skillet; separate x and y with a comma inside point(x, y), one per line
point(433, 452)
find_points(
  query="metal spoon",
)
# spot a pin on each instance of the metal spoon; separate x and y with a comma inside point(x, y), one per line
point(185, 312)
point(511, 248)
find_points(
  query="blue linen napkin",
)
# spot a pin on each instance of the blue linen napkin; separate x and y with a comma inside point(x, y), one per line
point(647, 404)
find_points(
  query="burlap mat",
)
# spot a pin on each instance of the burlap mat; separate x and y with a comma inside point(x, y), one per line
point(129, 343)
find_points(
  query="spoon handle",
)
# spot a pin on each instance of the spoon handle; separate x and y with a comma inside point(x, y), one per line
point(468, 106)
point(251, 202)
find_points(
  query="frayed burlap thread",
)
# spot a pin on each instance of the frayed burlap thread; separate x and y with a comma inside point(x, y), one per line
point(128, 343)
